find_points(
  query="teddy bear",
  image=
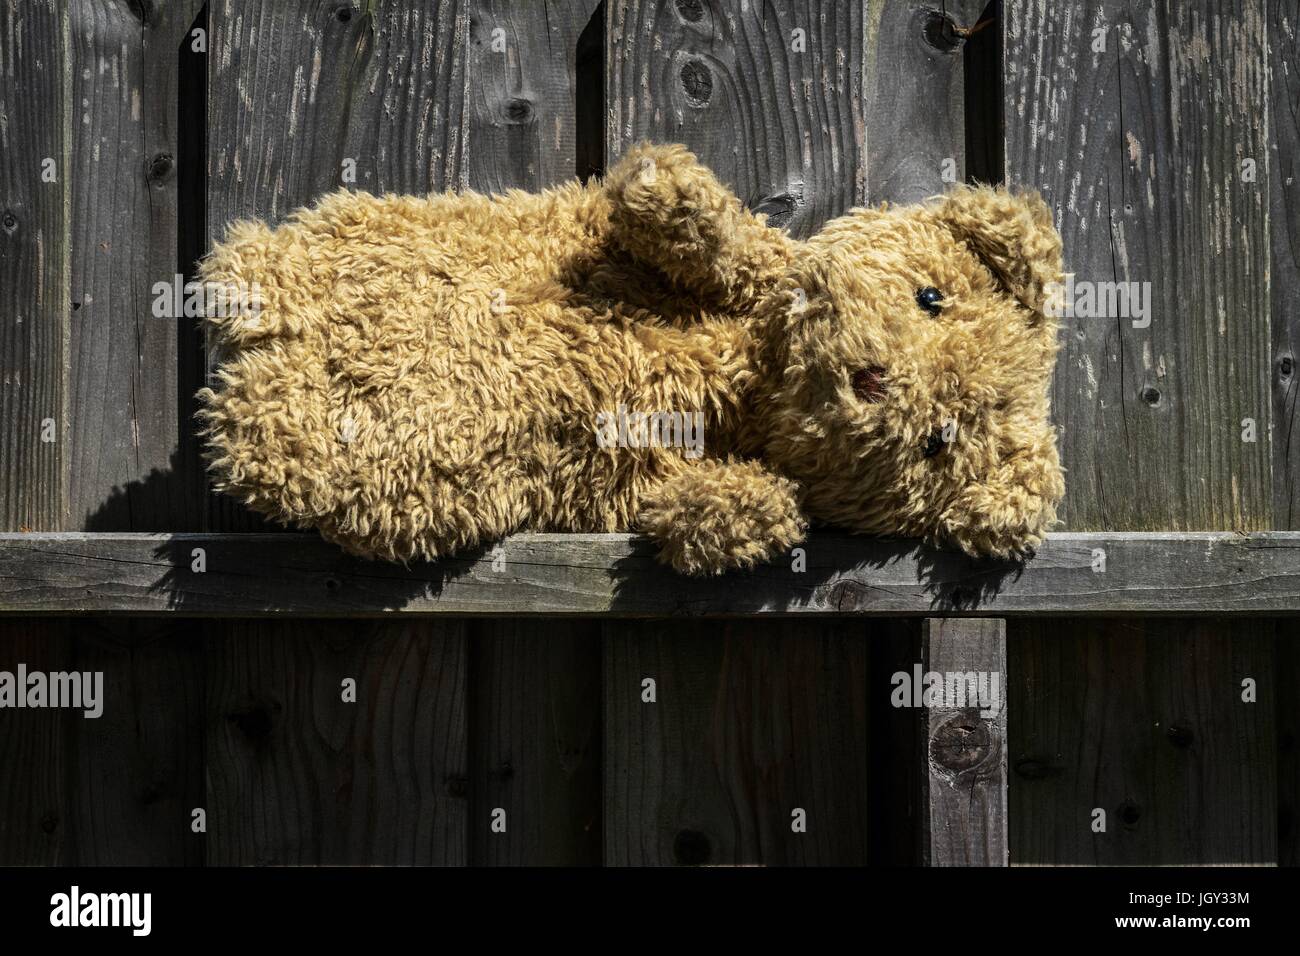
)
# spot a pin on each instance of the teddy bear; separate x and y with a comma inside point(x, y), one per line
point(425, 375)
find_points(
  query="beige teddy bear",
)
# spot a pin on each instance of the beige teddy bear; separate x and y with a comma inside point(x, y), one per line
point(425, 375)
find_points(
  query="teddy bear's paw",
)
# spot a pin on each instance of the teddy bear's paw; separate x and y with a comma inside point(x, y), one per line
point(722, 516)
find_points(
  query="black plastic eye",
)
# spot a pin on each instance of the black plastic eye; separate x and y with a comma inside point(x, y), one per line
point(929, 299)
point(933, 443)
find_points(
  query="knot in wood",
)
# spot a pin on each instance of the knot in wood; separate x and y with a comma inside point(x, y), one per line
point(961, 742)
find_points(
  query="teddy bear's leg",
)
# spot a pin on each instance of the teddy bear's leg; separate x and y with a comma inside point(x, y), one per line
point(669, 211)
point(718, 515)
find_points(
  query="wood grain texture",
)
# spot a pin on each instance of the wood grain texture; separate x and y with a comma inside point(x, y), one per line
point(534, 686)
point(536, 742)
point(34, 120)
point(1148, 724)
point(783, 127)
point(915, 97)
point(36, 820)
point(753, 720)
point(1288, 745)
point(521, 131)
point(128, 409)
point(298, 89)
point(1139, 151)
point(116, 789)
point(296, 775)
point(966, 747)
point(1283, 26)
point(618, 575)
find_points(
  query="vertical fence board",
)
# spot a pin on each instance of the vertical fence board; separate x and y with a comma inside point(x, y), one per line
point(752, 721)
point(36, 823)
point(300, 88)
point(1148, 724)
point(297, 775)
point(785, 128)
point(1284, 225)
point(966, 756)
point(115, 789)
point(1288, 745)
point(125, 418)
point(535, 745)
point(1139, 148)
point(770, 96)
point(535, 686)
point(916, 104)
point(34, 116)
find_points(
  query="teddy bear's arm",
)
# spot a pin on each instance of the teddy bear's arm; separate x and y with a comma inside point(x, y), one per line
point(717, 515)
point(669, 211)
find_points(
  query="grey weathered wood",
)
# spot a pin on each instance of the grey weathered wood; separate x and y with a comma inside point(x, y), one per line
point(34, 116)
point(915, 97)
point(784, 129)
point(1283, 183)
point(1283, 25)
point(126, 419)
point(965, 785)
point(753, 720)
point(1145, 722)
point(301, 86)
point(1139, 151)
point(117, 789)
point(298, 776)
point(779, 116)
point(520, 119)
point(618, 575)
point(534, 686)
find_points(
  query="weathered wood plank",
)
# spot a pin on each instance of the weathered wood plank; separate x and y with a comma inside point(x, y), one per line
point(125, 416)
point(1283, 182)
point(114, 789)
point(34, 141)
point(1136, 122)
point(770, 95)
point(915, 97)
point(1140, 150)
point(965, 784)
point(521, 131)
point(752, 722)
point(536, 741)
point(618, 575)
point(1283, 25)
point(1183, 768)
point(535, 686)
point(36, 822)
point(297, 775)
point(306, 96)
point(1288, 745)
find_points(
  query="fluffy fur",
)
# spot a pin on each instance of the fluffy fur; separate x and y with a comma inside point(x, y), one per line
point(428, 374)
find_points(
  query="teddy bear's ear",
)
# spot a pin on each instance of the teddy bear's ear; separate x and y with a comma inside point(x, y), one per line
point(1012, 233)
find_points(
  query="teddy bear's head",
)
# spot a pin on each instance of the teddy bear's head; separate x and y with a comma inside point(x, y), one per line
point(909, 359)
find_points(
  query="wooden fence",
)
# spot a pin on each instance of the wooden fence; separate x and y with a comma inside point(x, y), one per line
point(1163, 133)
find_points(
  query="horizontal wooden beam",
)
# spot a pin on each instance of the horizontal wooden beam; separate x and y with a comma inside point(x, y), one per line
point(616, 575)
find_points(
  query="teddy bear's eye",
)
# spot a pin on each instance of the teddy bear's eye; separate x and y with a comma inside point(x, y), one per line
point(929, 299)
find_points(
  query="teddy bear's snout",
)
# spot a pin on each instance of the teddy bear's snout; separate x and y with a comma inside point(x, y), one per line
point(869, 384)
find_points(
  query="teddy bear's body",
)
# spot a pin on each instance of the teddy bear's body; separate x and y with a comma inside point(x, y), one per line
point(430, 374)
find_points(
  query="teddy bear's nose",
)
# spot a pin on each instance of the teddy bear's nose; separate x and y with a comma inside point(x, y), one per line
point(933, 443)
point(869, 383)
